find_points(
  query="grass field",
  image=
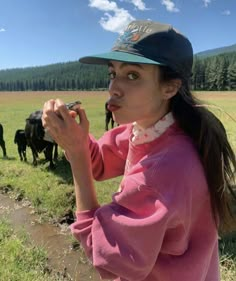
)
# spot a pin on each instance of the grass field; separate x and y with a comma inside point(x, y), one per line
point(20, 259)
point(51, 192)
point(39, 184)
point(223, 104)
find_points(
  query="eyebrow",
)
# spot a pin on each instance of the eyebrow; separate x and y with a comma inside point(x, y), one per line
point(125, 64)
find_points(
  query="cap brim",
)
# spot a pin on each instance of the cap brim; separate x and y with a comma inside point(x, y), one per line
point(117, 56)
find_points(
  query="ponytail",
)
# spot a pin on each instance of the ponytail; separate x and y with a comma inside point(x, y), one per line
point(210, 138)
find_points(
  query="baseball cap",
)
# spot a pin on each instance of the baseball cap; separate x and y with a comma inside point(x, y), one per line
point(149, 42)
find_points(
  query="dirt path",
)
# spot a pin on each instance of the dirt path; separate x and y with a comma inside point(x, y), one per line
point(55, 240)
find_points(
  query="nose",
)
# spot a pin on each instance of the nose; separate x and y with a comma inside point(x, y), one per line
point(115, 88)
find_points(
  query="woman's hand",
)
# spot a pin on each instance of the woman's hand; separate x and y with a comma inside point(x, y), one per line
point(60, 123)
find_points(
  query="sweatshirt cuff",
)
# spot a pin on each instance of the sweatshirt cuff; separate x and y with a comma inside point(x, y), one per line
point(86, 214)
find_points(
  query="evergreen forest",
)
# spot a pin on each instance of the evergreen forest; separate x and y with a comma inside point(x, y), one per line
point(212, 73)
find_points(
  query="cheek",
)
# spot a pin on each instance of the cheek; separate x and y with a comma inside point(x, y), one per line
point(136, 98)
point(145, 102)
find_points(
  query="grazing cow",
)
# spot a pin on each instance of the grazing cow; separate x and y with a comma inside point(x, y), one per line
point(20, 141)
point(39, 140)
point(2, 142)
point(108, 117)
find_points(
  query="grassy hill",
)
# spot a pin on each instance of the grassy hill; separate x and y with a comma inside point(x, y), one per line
point(217, 51)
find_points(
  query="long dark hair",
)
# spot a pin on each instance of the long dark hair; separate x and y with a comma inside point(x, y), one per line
point(210, 137)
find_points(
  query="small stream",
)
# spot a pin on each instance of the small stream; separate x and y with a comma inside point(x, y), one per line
point(57, 241)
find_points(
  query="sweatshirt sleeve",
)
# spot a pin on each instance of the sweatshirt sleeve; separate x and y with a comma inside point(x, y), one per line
point(124, 239)
point(108, 154)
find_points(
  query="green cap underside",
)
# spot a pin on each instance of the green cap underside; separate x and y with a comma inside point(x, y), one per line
point(117, 56)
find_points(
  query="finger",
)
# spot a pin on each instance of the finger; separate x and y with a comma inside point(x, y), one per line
point(61, 110)
point(51, 118)
point(83, 118)
point(48, 109)
point(49, 106)
point(73, 114)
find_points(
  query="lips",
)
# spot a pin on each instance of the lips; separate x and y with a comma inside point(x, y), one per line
point(113, 107)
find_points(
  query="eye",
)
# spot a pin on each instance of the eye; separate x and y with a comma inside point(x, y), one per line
point(133, 76)
point(112, 75)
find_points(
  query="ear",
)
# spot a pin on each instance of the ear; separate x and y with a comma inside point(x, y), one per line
point(171, 88)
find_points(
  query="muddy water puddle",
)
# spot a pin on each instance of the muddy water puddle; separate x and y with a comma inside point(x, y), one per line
point(57, 241)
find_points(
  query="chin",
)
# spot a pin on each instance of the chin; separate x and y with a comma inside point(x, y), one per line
point(122, 119)
point(124, 122)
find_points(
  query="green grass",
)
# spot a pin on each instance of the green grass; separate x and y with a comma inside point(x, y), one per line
point(223, 104)
point(51, 192)
point(20, 260)
point(227, 249)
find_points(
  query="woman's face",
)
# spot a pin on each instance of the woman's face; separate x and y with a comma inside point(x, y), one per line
point(136, 93)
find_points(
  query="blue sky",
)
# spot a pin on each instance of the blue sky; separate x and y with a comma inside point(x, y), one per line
point(41, 32)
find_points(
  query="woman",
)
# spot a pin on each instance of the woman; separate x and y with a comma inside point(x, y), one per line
point(177, 164)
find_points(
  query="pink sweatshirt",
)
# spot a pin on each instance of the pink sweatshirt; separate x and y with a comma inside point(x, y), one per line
point(159, 225)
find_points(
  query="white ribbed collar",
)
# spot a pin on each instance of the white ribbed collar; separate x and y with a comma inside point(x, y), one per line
point(141, 135)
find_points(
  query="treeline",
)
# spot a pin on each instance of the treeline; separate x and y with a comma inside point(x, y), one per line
point(55, 77)
point(216, 73)
point(209, 73)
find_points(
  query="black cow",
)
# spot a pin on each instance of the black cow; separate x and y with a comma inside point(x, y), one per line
point(38, 140)
point(2, 142)
point(20, 141)
point(108, 117)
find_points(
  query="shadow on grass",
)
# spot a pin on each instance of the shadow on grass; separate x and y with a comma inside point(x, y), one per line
point(227, 245)
point(7, 158)
point(62, 170)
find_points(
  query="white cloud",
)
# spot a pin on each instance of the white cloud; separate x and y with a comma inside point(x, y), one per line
point(226, 13)
point(206, 3)
point(115, 18)
point(139, 4)
point(103, 5)
point(2, 29)
point(170, 6)
point(116, 22)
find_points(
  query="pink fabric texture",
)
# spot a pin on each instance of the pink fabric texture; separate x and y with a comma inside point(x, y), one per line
point(158, 226)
